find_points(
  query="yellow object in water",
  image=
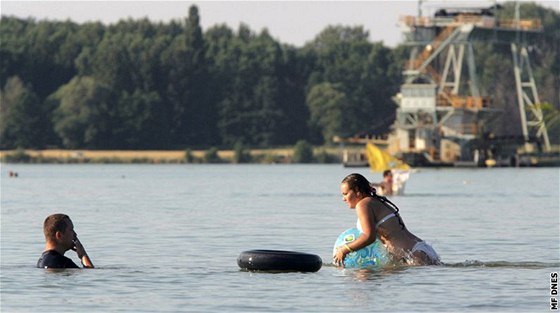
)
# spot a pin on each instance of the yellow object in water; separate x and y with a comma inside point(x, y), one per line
point(490, 162)
point(380, 160)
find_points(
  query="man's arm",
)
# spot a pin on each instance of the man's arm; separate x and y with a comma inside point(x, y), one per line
point(86, 262)
point(82, 254)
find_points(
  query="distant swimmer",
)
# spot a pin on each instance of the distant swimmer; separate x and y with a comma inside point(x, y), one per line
point(385, 188)
point(61, 237)
point(379, 217)
point(393, 182)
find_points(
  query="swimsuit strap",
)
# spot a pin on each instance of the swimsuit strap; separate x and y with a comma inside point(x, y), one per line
point(388, 216)
point(393, 206)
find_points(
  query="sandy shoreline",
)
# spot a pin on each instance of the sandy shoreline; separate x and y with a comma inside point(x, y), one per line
point(151, 156)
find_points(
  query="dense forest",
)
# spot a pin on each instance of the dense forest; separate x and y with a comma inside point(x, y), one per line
point(137, 84)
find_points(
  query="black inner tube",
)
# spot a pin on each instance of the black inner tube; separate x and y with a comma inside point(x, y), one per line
point(278, 260)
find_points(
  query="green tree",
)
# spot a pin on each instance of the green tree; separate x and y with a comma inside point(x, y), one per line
point(551, 117)
point(211, 156)
point(360, 70)
point(12, 50)
point(382, 77)
point(192, 115)
point(303, 152)
point(137, 121)
point(21, 117)
point(169, 85)
point(252, 111)
point(294, 73)
point(84, 117)
point(326, 106)
point(189, 157)
point(240, 155)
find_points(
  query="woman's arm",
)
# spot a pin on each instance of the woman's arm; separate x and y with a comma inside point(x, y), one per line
point(364, 211)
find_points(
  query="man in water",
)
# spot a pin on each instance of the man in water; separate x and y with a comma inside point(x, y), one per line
point(385, 188)
point(61, 237)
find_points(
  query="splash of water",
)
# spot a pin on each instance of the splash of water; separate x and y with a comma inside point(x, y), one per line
point(504, 264)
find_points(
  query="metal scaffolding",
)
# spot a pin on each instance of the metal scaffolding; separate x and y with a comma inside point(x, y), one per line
point(437, 116)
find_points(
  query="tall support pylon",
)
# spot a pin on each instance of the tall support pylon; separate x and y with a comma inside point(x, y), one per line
point(527, 97)
point(440, 111)
point(453, 66)
point(453, 69)
point(472, 71)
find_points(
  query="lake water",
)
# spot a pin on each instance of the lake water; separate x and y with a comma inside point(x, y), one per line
point(165, 238)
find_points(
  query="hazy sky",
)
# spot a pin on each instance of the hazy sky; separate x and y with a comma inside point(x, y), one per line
point(293, 22)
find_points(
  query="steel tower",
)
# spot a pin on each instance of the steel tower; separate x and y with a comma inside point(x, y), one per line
point(441, 108)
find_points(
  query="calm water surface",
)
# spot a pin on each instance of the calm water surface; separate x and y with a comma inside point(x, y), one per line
point(165, 238)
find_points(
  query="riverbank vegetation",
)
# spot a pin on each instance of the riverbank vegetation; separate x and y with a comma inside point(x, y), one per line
point(302, 152)
point(142, 85)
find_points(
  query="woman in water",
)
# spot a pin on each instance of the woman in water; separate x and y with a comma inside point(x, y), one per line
point(378, 216)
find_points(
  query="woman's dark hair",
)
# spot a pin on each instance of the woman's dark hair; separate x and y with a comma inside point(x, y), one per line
point(358, 182)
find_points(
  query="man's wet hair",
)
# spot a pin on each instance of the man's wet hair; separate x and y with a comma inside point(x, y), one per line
point(54, 223)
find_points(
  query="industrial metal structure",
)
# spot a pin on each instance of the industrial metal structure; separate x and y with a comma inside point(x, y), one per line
point(440, 108)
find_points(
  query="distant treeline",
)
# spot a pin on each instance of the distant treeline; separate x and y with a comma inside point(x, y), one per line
point(138, 84)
